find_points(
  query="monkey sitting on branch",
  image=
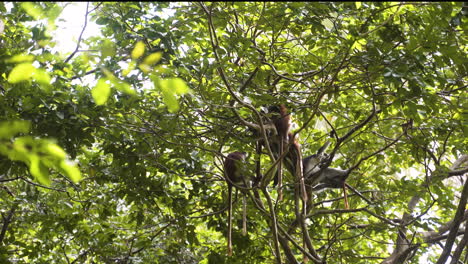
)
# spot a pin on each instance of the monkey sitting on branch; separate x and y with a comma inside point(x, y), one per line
point(318, 176)
point(282, 121)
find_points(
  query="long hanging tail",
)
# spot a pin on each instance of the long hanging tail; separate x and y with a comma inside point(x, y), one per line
point(345, 195)
point(280, 171)
point(244, 215)
point(229, 238)
point(300, 175)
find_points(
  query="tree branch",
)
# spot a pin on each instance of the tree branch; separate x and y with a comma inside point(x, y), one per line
point(455, 226)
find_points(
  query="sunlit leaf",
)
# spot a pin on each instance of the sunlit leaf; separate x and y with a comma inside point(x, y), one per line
point(56, 151)
point(327, 23)
point(10, 128)
point(118, 84)
point(32, 10)
point(170, 99)
point(138, 50)
point(101, 92)
point(20, 58)
point(131, 67)
point(123, 87)
point(170, 88)
point(21, 72)
point(53, 13)
point(38, 170)
point(144, 67)
point(153, 58)
point(41, 76)
point(71, 171)
point(177, 85)
point(107, 48)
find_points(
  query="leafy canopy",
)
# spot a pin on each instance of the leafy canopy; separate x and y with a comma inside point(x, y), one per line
point(114, 153)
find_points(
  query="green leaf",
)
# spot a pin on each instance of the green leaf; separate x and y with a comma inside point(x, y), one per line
point(138, 50)
point(131, 67)
point(71, 171)
point(53, 13)
point(10, 128)
point(124, 87)
point(21, 58)
point(153, 58)
point(170, 88)
point(33, 10)
point(170, 100)
point(177, 85)
point(144, 68)
point(327, 23)
point(41, 76)
point(21, 72)
point(118, 84)
point(38, 170)
point(56, 151)
point(101, 92)
point(107, 48)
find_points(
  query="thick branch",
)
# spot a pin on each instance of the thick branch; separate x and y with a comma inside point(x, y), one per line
point(6, 222)
point(455, 226)
point(404, 247)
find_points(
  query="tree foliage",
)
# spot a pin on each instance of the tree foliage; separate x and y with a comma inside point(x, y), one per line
point(114, 152)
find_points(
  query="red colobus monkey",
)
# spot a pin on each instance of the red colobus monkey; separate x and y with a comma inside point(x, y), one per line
point(282, 122)
point(320, 178)
point(315, 176)
point(234, 173)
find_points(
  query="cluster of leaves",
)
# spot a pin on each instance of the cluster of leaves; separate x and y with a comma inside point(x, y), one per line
point(384, 82)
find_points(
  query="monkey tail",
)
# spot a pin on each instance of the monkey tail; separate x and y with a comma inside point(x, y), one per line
point(345, 195)
point(229, 236)
point(280, 172)
point(244, 215)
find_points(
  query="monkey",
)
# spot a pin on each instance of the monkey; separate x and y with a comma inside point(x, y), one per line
point(315, 175)
point(293, 163)
point(233, 169)
point(282, 122)
point(319, 177)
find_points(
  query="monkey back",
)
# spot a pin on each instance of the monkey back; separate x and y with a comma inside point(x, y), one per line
point(232, 166)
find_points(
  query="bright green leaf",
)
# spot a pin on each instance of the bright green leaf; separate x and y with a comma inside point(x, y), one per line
point(139, 50)
point(131, 67)
point(41, 76)
point(358, 5)
point(144, 68)
point(10, 128)
point(101, 92)
point(20, 58)
point(33, 10)
point(170, 100)
point(123, 87)
point(327, 23)
point(53, 13)
point(153, 58)
point(71, 171)
point(56, 151)
point(177, 85)
point(38, 170)
point(21, 72)
point(170, 88)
